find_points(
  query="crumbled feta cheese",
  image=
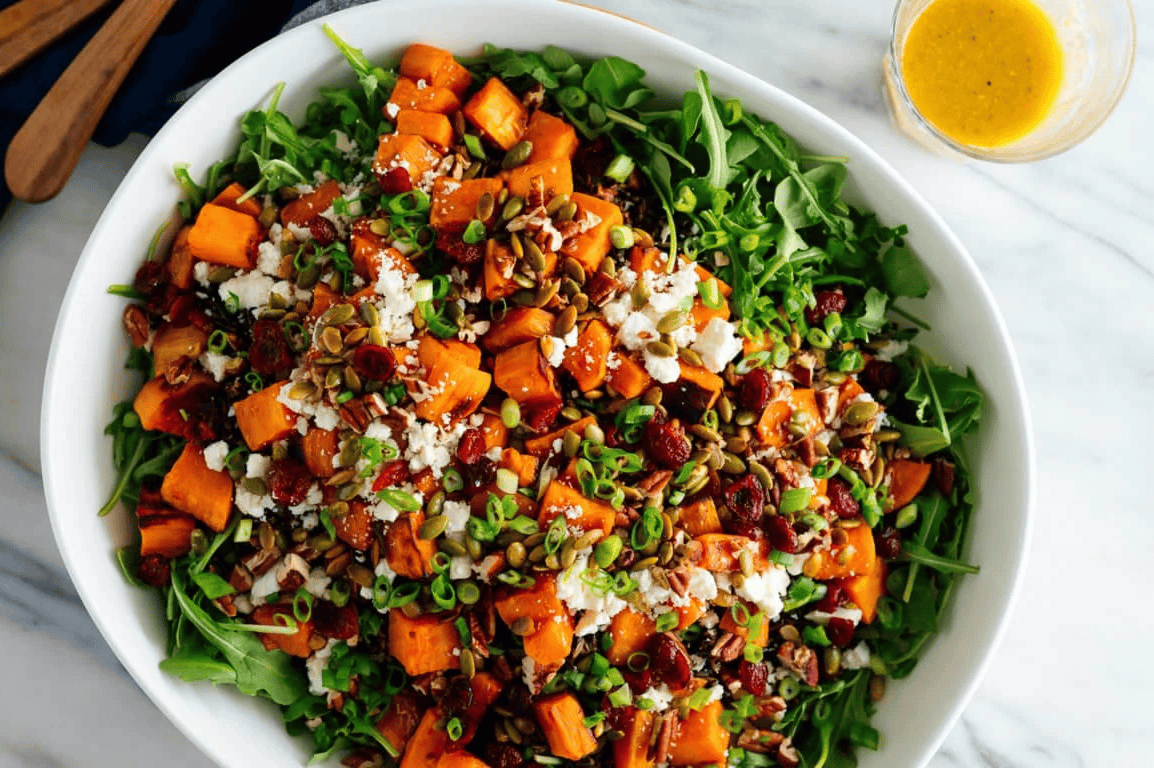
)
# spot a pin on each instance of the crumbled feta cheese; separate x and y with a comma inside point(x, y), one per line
point(857, 657)
point(766, 589)
point(637, 330)
point(215, 454)
point(257, 465)
point(200, 272)
point(215, 364)
point(317, 582)
point(717, 344)
point(392, 110)
point(661, 697)
point(316, 665)
point(457, 514)
point(396, 304)
point(264, 586)
point(664, 369)
point(268, 258)
point(579, 596)
point(892, 350)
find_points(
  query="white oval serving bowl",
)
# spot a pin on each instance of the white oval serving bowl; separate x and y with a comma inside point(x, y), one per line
point(85, 375)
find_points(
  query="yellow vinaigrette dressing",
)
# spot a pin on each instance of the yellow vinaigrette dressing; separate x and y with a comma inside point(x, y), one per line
point(983, 72)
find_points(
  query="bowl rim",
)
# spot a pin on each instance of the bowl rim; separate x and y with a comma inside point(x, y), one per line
point(55, 482)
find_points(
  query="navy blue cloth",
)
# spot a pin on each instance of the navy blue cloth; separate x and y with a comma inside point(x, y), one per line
point(196, 40)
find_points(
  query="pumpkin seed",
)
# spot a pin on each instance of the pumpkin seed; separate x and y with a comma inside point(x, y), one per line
point(595, 434)
point(565, 321)
point(878, 470)
point(467, 663)
point(608, 267)
point(733, 464)
point(302, 390)
point(725, 409)
point(574, 270)
point(832, 660)
point(568, 554)
point(332, 378)
point(516, 246)
point(644, 563)
point(587, 540)
point(546, 293)
point(621, 237)
point(350, 454)
point(510, 413)
point(515, 554)
point(886, 435)
point(331, 340)
point(352, 379)
point(433, 527)
point(566, 212)
point(255, 486)
point(571, 413)
point(877, 688)
point(580, 301)
point(472, 170)
point(308, 277)
point(745, 418)
point(736, 444)
point(356, 335)
point(379, 227)
point(745, 559)
point(485, 206)
point(671, 321)
point(220, 274)
point(860, 412)
point(537, 553)
point(552, 562)
point(473, 547)
point(271, 314)
point(706, 433)
point(525, 281)
point(349, 492)
point(517, 155)
point(640, 293)
point(571, 443)
point(643, 238)
point(836, 377)
point(698, 484)
point(453, 549)
point(514, 735)
point(512, 207)
point(660, 349)
point(377, 336)
point(556, 203)
point(361, 575)
point(338, 314)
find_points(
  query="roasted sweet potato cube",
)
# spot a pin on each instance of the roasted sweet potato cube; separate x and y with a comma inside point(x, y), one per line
point(454, 203)
point(423, 644)
point(400, 720)
point(853, 558)
point(729, 624)
point(631, 632)
point(906, 479)
point(371, 252)
point(700, 738)
point(626, 376)
point(412, 153)
point(355, 526)
point(410, 94)
point(311, 204)
point(588, 359)
point(223, 236)
point(498, 271)
point(167, 535)
point(556, 178)
point(180, 262)
point(172, 408)
point(590, 247)
point(581, 511)
point(435, 66)
point(172, 342)
point(866, 589)
point(263, 419)
point(700, 517)
point(406, 552)
point(552, 138)
point(516, 326)
point(320, 447)
point(772, 426)
point(498, 114)
point(428, 742)
point(523, 465)
point(494, 431)
point(524, 373)
point(542, 445)
point(721, 552)
point(433, 127)
point(562, 720)
point(192, 487)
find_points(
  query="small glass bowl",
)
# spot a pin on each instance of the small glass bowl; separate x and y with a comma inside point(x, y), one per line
point(1098, 42)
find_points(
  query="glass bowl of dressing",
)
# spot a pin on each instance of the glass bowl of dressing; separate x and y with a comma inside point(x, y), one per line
point(1007, 80)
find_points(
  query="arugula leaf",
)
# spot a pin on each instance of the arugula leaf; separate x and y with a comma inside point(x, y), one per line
point(903, 273)
point(616, 83)
point(258, 671)
point(715, 134)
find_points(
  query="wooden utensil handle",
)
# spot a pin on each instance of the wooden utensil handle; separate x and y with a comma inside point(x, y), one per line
point(28, 26)
point(46, 148)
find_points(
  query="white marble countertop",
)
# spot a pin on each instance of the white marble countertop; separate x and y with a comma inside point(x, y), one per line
point(1065, 246)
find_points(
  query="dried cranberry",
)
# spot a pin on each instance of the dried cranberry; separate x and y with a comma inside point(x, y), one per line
point(150, 277)
point(834, 598)
point(841, 500)
point(839, 631)
point(458, 696)
point(539, 415)
point(269, 352)
point(828, 301)
point(746, 499)
point(375, 362)
point(878, 375)
point(153, 569)
point(666, 443)
point(781, 534)
point(639, 682)
point(463, 253)
point(471, 446)
point(744, 528)
point(392, 474)
point(754, 392)
point(888, 542)
point(395, 181)
point(669, 660)
point(613, 437)
point(330, 621)
point(943, 475)
point(754, 677)
point(288, 481)
point(323, 231)
point(686, 400)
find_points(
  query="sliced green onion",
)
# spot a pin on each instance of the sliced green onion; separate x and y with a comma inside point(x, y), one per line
point(452, 481)
point(217, 341)
point(699, 698)
point(794, 500)
point(454, 728)
point(402, 501)
point(668, 621)
point(474, 232)
point(403, 594)
point(620, 168)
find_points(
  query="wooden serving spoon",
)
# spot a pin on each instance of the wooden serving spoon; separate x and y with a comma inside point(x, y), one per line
point(28, 26)
point(47, 147)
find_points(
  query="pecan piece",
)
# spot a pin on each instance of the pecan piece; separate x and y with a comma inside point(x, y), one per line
point(800, 660)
